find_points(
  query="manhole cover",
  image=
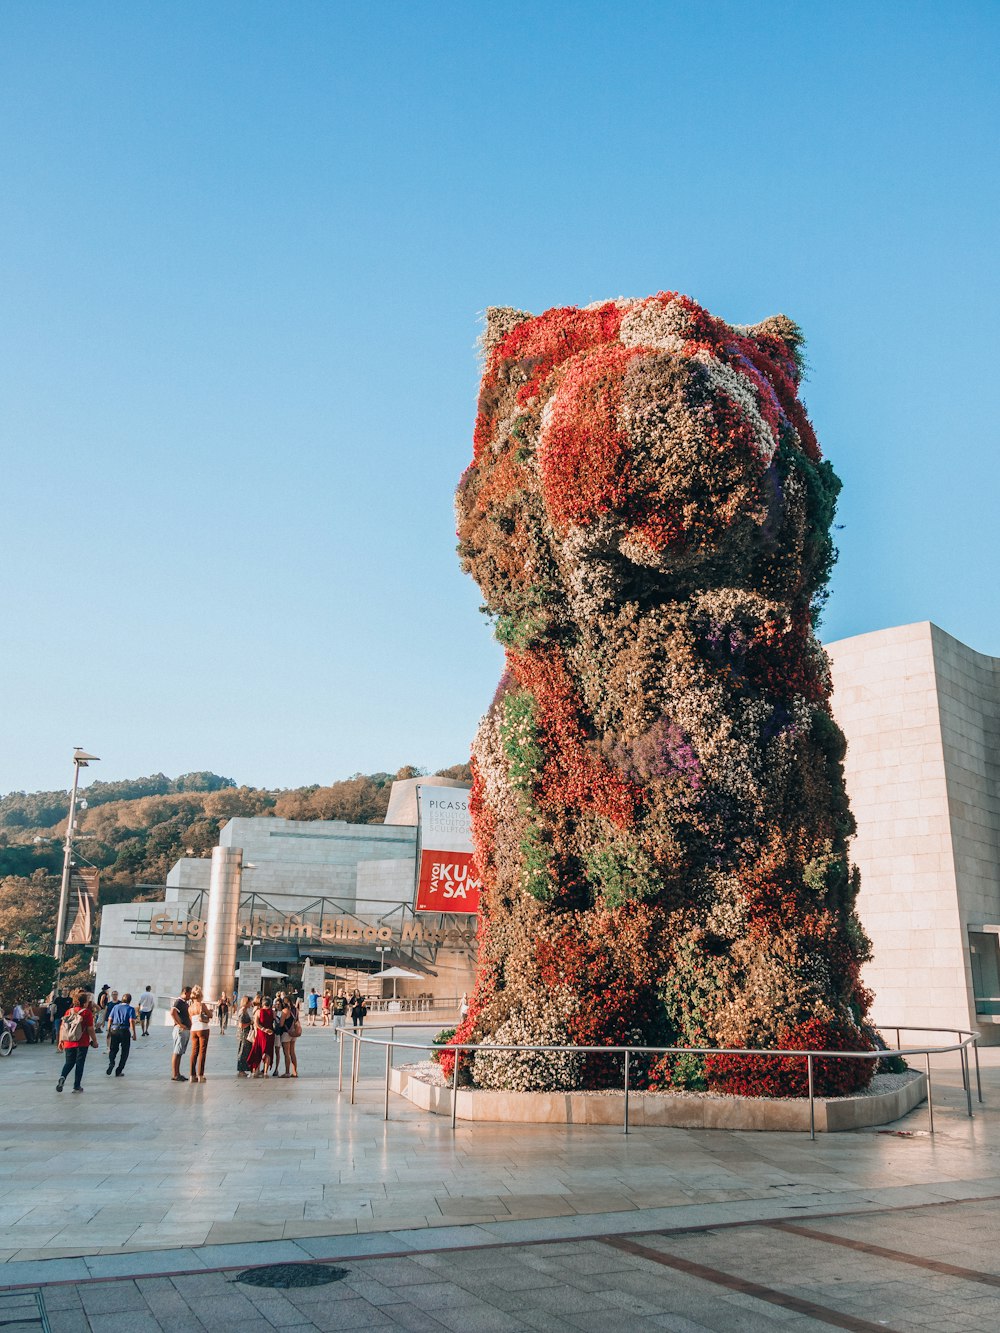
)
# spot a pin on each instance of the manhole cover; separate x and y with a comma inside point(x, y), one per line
point(291, 1275)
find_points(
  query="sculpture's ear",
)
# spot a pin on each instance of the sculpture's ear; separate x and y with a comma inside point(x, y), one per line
point(788, 333)
point(500, 319)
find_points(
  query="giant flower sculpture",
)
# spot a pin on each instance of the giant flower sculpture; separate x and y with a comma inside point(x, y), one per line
point(659, 812)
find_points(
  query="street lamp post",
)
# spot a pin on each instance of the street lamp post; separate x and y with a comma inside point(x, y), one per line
point(81, 759)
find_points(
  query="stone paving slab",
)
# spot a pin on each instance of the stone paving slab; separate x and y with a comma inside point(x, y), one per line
point(749, 1276)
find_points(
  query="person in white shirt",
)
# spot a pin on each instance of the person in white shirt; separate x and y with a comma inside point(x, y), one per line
point(146, 1005)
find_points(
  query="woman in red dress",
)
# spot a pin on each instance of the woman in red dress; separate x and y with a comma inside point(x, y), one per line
point(262, 1050)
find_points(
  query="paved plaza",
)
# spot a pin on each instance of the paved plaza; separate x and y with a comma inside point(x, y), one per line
point(138, 1204)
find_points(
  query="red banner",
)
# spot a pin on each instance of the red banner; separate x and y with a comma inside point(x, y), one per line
point(448, 882)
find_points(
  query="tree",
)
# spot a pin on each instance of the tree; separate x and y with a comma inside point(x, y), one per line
point(25, 978)
point(28, 906)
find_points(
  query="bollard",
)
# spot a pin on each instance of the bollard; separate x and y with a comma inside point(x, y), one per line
point(388, 1066)
point(812, 1100)
point(454, 1092)
point(963, 1051)
point(930, 1097)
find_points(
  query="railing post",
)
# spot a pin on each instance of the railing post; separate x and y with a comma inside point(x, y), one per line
point(930, 1095)
point(626, 1090)
point(812, 1100)
point(388, 1066)
point(340, 1060)
point(899, 1044)
point(979, 1081)
point(454, 1092)
point(355, 1064)
point(965, 1072)
point(966, 1079)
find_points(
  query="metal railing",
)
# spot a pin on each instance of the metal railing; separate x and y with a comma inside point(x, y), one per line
point(964, 1041)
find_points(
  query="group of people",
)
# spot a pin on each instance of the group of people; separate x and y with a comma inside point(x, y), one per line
point(267, 1029)
point(322, 1009)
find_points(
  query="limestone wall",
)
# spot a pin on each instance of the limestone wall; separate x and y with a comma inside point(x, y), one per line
point(921, 713)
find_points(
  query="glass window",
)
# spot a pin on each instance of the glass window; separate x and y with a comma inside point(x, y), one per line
point(985, 971)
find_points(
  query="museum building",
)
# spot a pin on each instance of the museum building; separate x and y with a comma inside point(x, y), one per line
point(353, 900)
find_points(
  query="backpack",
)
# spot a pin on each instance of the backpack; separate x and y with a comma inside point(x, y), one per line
point(73, 1026)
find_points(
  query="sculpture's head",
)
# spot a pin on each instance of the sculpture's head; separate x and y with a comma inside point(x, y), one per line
point(634, 451)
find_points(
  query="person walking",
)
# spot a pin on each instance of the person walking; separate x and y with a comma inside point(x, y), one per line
point(61, 1005)
point(244, 1031)
point(325, 1006)
point(200, 1012)
point(262, 1050)
point(222, 1013)
point(359, 1007)
point(146, 1005)
point(76, 1037)
point(339, 1010)
point(313, 1007)
point(291, 1030)
point(101, 1007)
point(181, 1019)
point(121, 1033)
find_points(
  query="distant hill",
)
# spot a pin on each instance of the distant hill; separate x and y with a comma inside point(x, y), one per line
point(139, 827)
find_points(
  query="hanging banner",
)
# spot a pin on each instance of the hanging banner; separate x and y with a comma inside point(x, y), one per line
point(87, 884)
point(447, 879)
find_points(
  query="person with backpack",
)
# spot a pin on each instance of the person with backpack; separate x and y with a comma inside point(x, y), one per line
point(76, 1037)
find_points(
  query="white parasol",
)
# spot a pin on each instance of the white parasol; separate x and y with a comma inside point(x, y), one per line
point(399, 974)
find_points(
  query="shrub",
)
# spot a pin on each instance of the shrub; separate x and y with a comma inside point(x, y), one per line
point(26, 977)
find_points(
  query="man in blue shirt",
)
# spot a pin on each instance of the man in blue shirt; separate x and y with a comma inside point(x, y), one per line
point(121, 1030)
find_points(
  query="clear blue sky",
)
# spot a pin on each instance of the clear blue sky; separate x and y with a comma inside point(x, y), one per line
point(245, 248)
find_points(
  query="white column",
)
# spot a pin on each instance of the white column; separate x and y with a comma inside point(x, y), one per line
point(223, 912)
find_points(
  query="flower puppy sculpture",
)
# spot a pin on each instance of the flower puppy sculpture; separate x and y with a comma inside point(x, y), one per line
point(659, 812)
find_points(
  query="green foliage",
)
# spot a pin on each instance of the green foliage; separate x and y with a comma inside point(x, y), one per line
point(43, 809)
point(442, 1039)
point(622, 873)
point(25, 977)
point(688, 1072)
point(519, 730)
point(28, 911)
point(537, 864)
point(520, 632)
